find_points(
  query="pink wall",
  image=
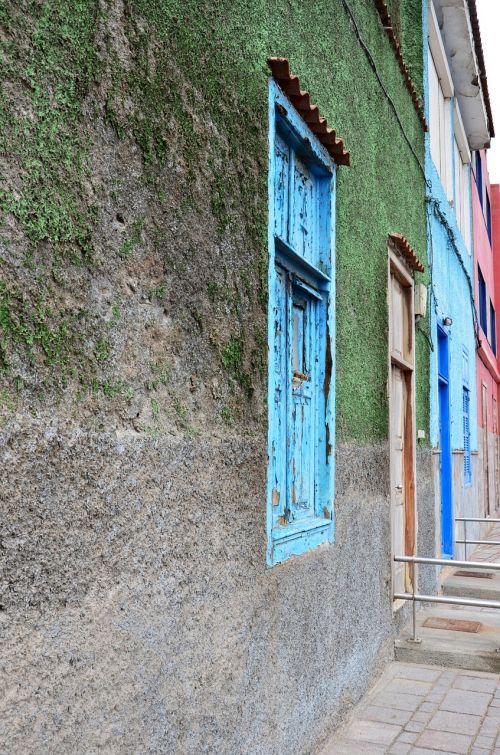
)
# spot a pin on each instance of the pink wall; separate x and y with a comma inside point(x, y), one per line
point(495, 219)
point(486, 364)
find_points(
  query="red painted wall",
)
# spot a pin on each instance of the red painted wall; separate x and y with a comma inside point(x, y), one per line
point(495, 219)
point(486, 362)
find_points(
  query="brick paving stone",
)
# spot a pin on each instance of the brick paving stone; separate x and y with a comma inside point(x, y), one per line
point(420, 673)
point(495, 703)
point(486, 742)
point(464, 701)
point(422, 716)
point(348, 747)
point(386, 715)
point(410, 686)
point(425, 751)
point(434, 697)
point(372, 731)
point(489, 729)
point(414, 726)
point(407, 736)
point(475, 684)
point(479, 751)
point(460, 723)
point(399, 700)
point(428, 707)
point(448, 675)
point(400, 748)
point(445, 740)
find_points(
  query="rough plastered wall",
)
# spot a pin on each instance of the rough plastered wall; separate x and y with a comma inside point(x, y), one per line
point(138, 613)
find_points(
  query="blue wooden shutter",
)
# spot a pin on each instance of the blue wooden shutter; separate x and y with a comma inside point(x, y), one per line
point(466, 429)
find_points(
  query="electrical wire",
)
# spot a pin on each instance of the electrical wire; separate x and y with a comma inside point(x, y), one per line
point(430, 200)
point(388, 97)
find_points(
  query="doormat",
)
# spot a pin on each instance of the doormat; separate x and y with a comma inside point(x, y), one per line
point(476, 574)
point(455, 625)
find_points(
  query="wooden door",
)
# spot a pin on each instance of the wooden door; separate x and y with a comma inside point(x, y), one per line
point(402, 423)
point(397, 474)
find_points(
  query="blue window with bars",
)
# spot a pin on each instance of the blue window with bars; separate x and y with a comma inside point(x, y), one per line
point(466, 420)
point(493, 329)
point(488, 215)
point(479, 176)
point(301, 335)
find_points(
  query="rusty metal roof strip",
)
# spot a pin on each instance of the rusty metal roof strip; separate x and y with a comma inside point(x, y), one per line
point(386, 20)
point(406, 251)
point(301, 100)
point(478, 46)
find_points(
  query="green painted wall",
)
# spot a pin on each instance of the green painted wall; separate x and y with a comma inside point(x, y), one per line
point(186, 82)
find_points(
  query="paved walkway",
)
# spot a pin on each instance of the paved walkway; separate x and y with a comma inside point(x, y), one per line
point(424, 710)
point(490, 553)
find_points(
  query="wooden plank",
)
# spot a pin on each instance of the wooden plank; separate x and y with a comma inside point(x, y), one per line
point(475, 574)
point(453, 625)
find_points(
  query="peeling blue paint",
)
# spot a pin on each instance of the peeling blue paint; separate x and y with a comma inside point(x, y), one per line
point(301, 335)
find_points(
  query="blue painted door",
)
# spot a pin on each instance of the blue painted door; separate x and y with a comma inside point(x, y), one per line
point(297, 352)
point(445, 447)
point(301, 358)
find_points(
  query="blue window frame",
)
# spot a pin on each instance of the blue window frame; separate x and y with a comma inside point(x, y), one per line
point(466, 419)
point(493, 329)
point(483, 303)
point(488, 214)
point(479, 176)
point(301, 335)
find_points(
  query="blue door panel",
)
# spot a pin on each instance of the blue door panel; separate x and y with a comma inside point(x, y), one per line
point(447, 515)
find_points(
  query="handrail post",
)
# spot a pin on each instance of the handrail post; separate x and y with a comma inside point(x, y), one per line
point(414, 581)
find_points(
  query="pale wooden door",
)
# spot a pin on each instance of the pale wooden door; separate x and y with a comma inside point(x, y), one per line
point(402, 449)
point(397, 474)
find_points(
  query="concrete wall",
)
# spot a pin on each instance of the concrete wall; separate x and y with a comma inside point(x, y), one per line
point(138, 611)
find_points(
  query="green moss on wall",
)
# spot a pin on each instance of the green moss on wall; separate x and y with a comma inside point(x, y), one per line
point(186, 82)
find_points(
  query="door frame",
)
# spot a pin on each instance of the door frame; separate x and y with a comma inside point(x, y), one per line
point(400, 270)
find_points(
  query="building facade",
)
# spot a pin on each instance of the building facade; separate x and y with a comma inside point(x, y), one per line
point(488, 376)
point(237, 359)
point(459, 122)
point(181, 322)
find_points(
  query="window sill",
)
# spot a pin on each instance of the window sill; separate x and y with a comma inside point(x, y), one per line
point(298, 538)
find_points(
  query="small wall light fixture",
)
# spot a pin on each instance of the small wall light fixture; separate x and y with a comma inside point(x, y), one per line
point(447, 321)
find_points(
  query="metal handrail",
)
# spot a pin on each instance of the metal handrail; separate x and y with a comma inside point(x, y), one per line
point(414, 596)
point(475, 519)
point(478, 542)
point(447, 562)
point(465, 541)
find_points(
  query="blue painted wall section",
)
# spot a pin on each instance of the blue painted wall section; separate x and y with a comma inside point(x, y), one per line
point(451, 296)
point(301, 335)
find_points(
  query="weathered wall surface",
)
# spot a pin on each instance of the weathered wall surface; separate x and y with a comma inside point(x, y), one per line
point(138, 613)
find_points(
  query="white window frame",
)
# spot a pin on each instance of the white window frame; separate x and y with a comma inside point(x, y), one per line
point(462, 156)
point(440, 122)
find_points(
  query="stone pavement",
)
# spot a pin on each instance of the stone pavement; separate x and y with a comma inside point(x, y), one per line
point(424, 710)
